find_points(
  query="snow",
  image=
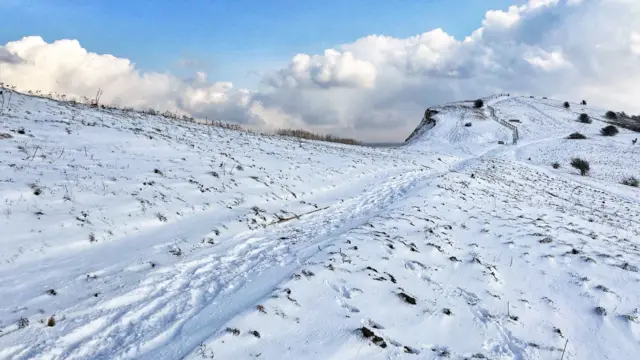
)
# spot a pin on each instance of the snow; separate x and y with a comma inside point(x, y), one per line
point(452, 246)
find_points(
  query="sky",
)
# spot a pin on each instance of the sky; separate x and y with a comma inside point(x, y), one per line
point(231, 40)
point(360, 68)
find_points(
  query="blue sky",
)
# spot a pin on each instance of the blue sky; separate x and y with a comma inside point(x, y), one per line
point(231, 40)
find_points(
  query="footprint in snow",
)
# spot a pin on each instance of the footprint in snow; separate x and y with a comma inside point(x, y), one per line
point(348, 307)
point(345, 291)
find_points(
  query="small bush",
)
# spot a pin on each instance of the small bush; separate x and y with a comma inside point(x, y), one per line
point(581, 165)
point(303, 134)
point(566, 105)
point(478, 104)
point(609, 130)
point(23, 323)
point(161, 217)
point(611, 115)
point(631, 181)
point(556, 165)
point(584, 118)
point(584, 102)
point(576, 136)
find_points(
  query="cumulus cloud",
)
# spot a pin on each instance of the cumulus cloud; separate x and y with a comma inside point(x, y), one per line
point(376, 88)
point(547, 60)
point(571, 49)
point(635, 43)
point(8, 57)
point(333, 69)
point(502, 19)
point(65, 67)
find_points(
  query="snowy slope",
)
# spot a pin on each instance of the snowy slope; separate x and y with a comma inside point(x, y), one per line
point(450, 135)
point(150, 238)
point(544, 126)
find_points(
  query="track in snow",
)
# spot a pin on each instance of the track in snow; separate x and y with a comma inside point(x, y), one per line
point(174, 308)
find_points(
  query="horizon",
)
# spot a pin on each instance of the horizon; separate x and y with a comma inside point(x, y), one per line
point(360, 70)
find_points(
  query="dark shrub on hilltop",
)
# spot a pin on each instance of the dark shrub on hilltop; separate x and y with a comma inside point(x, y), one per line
point(609, 130)
point(581, 165)
point(576, 136)
point(584, 118)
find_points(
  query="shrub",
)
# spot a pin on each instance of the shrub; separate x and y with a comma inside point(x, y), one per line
point(23, 323)
point(478, 104)
point(609, 130)
point(303, 134)
point(581, 165)
point(631, 181)
point(576, 136)
point(566, 105)
point(611, 115)
point(584, 102)
point(584, 118)
point(556, 165)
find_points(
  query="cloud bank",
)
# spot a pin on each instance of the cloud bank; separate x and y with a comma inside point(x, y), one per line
point(377, 87)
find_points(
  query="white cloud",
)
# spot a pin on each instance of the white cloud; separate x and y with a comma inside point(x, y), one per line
point(378, 86)
point(499, 18)
point(546, 47)
point(635, 43)
point(65, 67)
point(333, 69)
point(8, 57)
point(547, 60)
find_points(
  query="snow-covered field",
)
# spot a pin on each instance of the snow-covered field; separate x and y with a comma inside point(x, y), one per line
point(140, 237)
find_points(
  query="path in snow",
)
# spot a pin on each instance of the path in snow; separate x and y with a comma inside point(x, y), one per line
point(508, 264)
point(174, 308)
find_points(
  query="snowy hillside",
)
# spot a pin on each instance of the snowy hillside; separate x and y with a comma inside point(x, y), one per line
point(130, 236)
